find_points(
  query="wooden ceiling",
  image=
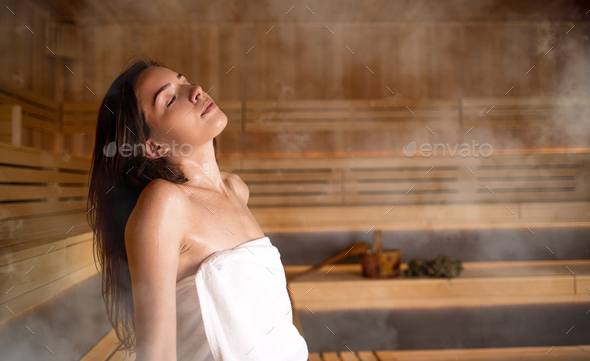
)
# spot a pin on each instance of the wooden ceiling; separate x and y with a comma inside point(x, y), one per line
point(329, 11)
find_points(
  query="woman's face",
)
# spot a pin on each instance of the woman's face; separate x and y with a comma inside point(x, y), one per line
point(173, 108)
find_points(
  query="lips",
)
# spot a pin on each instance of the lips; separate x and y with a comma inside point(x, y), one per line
point(208, 107)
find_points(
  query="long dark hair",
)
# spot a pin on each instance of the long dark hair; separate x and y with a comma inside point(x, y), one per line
point(115, 185)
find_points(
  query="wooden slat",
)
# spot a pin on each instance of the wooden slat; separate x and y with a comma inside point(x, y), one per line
point(421, 216)
point(560, 353)
point(480, 284)
point(33, 249)
point(340, 115)
point(282, 176)
point(314, 357)
point(331, 188)
point(79, 255)
point(24, 192)
point(295, 199)
point(48, 116)
point(418, 197)
point(524, 101)
point(36, 228)
point(367, 356)
point(122, 355)
point(512, 178)
point(338, 305)
point(103, 349)
point(79, 129)
point(499, 162)
point(37, 158)
point(526, 113)
point(80, 118)
point(18, 210)
point(348, 356)
point(48, 269)
point(80, 107)
point(528, 124)
point(39, 294)
point(22, 95)
point(330, 356)
point(296, 104)
point(24, 175)
point(517, 173)
point(31, 273)
point(399, 185)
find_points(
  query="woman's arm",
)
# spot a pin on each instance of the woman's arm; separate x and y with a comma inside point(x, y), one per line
point(153, 240)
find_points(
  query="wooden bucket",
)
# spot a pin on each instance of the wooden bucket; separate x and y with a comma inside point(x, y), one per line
point(379, 262)
point(382, 263)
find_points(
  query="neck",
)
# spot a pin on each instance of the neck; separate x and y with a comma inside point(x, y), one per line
point(201, 168)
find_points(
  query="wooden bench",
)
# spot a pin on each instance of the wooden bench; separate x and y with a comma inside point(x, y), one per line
point(483, 287)
point(105, 351)
point(342, 287)
point(559, 353)
point(27, 119)
point(45, 244)
point(42, 225)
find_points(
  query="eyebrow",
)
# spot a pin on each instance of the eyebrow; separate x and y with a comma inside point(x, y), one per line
point(164, 88)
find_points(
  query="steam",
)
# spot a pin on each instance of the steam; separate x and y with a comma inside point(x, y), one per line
point(69, 324)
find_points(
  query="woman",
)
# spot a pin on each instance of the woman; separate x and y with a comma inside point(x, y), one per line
point(187, 271)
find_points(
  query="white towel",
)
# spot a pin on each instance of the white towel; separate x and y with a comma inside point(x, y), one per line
point(245, 308)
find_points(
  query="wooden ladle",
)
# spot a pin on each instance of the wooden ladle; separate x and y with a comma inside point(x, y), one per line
point(377, 245)
point(357, 248)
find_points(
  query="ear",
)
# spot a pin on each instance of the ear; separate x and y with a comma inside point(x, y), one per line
point(153, 150)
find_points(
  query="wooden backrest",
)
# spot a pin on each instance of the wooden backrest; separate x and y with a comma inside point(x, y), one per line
point(349, 115)
point(79, 117)
point(45, 240)
point(43, 194)
point(375, 126)
point(526, 112)
point(377, 114)
point(38, 118)
point(417, 180)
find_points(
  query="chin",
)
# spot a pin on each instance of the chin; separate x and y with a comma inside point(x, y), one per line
point(220, 121)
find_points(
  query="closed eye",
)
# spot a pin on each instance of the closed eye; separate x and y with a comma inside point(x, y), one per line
point(172, 100)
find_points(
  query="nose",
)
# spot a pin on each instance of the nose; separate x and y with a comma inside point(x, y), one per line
point(196, 93)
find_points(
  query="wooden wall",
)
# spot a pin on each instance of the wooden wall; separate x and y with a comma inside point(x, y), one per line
point(23, 60)
point(308, 61)
point(305, 60)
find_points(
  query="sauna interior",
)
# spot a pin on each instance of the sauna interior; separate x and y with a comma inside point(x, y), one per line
point(453, 127)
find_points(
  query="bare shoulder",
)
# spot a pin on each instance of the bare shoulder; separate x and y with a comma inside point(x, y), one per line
point(160, 205)
point(241, 188)
point(161, 192)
